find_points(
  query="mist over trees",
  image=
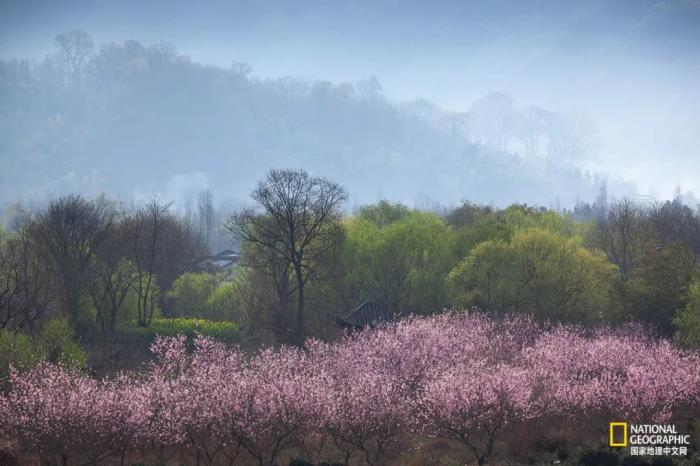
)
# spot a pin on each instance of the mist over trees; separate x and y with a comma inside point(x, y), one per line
point(131, 119)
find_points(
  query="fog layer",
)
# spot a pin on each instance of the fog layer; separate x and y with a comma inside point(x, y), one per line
point(494, 102)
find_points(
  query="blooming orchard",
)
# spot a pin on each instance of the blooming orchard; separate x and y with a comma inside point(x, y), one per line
point(463, 377)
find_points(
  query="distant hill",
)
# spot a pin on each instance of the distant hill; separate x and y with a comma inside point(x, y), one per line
point(131, 120)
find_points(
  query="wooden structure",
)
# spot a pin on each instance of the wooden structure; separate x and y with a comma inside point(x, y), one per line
point(368, 314)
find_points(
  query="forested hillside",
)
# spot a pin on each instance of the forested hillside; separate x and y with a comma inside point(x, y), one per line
point(131, 119)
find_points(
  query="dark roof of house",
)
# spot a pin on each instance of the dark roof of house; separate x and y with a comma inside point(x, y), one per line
point(226, 254)
point(222, 260)
point(369, 313)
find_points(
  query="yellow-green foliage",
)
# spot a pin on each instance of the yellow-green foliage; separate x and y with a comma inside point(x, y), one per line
point(18, 350)
point(524, 218)
point(221, 304)
point(225, 331)
point(687, 321)
point(538, 272)
point(479, 224)
point(192, 292)
point(56, 343)
point(398, 257)
point(129, 307)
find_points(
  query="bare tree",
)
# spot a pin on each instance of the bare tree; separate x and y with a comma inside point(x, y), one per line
point(270, 274)
point(161, 247)
point(24, 283)
point(622, 234)
point(675, 222)
point(144, 234)
point(75, 48)
point(297, 221)
point(182, 250)
point(207, 216)
point(66, 234)
point(111, 278)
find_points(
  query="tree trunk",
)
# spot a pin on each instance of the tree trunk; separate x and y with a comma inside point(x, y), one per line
point(299, 328)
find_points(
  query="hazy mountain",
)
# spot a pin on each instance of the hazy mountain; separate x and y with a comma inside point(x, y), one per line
point(131, 120)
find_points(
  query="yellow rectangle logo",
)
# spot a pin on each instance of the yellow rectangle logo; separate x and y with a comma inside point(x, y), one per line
point(613, 425)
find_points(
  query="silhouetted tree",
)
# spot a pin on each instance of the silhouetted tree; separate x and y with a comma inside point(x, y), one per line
point(161, 247)
point(207, 216)
point(675, 222)
point(24, 284)
point(74, 49)
point(144, 237)
point(623, 234)
point(66, 235)
point(298, 221)
point(111, 278)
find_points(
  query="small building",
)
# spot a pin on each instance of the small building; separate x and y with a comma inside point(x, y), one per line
point(221, 262)
point(368, 314)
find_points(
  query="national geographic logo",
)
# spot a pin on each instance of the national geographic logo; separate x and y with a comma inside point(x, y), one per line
point(649, 439)
point(618, 434)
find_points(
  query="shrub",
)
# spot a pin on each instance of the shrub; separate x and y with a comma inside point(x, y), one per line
point(56, 343)
point(221, 305)
point(687, 321)
point(192, 291)
point(17, 350)
point(59, 344)
point(220, 330)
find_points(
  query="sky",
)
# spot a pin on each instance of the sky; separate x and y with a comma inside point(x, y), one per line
point(633, 67)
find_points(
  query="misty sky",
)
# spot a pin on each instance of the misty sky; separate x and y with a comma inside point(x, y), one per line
point(633, 66)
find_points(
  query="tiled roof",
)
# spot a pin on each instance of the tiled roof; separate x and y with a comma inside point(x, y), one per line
point(368, 313)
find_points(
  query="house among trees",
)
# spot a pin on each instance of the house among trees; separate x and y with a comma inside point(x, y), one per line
point(368, 314)
point(221, 262)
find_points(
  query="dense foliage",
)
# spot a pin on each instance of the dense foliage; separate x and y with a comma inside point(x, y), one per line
point(540, 273)
point(458, 376)
point(56, 343)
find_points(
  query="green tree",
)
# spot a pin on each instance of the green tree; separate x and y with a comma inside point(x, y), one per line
point(401, 264)
point(192, 292)
point(383, 213)
point(475, 224)
point(56, 343)
point(523, 217)
point(298, 227)
point(537, 272)
point(59, 344)
point(659, 285)
point(66, 235)
point(221, 304)
point(17, 350)
point(687, 320)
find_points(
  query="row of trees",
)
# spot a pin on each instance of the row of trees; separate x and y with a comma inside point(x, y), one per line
point(304, 263)
point(629, 263)
point(85, 260)
point(476, 382)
